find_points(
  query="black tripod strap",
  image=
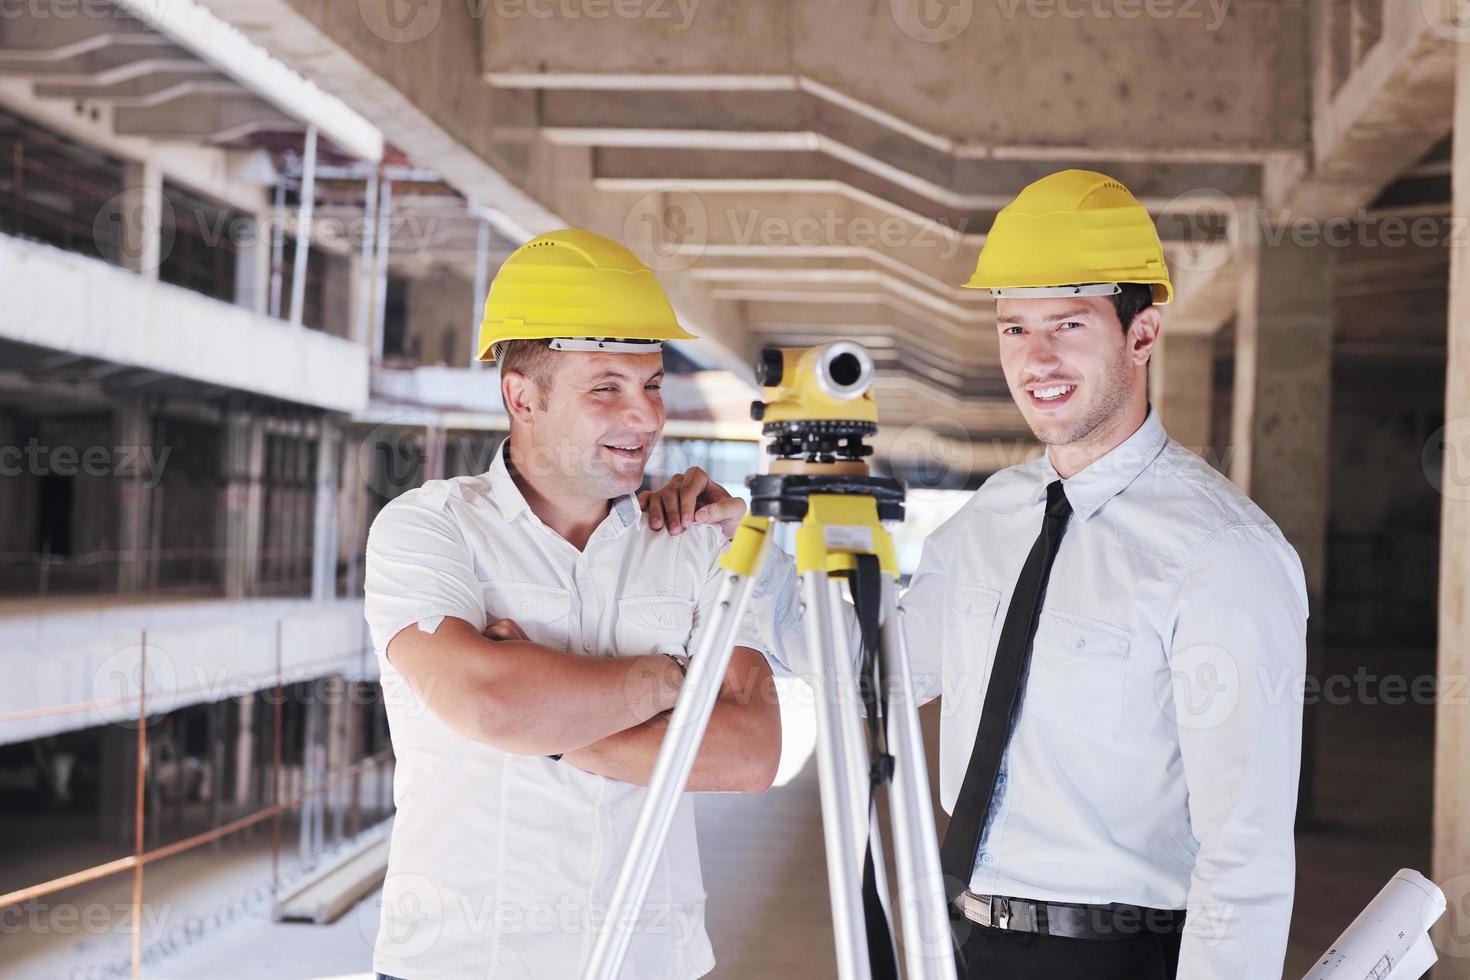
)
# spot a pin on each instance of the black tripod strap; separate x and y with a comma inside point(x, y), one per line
point(880, 940)
point(867, 591)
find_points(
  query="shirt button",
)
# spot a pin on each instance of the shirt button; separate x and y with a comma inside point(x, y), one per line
point(986, 859)
point(587, 647)
point(1000, 780)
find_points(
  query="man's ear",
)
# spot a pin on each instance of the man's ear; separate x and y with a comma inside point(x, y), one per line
point(1143, 335)
point(520, 396)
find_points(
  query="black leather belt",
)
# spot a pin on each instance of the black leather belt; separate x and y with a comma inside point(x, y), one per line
point(1066, 919)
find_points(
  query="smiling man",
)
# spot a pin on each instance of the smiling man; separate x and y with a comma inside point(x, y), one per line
point(532, 634)
point(1118, 634)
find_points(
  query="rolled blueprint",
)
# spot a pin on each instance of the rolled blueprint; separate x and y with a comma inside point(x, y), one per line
point(1390, 937)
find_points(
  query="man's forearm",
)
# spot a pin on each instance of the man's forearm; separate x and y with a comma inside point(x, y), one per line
point(739, 753)
point(529, 699)
point(548, 702)
point(741, 746)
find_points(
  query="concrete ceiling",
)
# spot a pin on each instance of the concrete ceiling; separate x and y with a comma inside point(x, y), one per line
point(167, 72)
point(798, 172)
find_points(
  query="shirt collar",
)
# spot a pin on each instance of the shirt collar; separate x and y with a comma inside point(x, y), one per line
point(624, 513)
point(1110, 474)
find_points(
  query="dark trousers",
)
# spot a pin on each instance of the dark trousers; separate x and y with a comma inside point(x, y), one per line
point(992, 954)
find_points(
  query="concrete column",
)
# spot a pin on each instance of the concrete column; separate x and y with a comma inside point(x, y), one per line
point(1282, 415)
point(141, 218)
point(1181, 382)
point(324, 526)
point(218, 724)
point(364, 275)
point(435, 447)
point(253, 266)
point(337, 761)
point(116, 779)
point(244, 463)
point(358, 278)
point(244, 753)
point(12, 475)
point(1283, 382)
point(133, 430)
point(303, 228)
point(1451, 835)
point(352, 520)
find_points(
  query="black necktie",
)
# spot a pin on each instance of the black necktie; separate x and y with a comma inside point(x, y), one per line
point(1002, 698)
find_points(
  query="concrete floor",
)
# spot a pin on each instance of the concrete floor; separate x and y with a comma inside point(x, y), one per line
point(765, 872)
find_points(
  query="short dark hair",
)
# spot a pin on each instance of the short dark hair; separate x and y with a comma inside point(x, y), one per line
point(1133, 300)
point(530, 358)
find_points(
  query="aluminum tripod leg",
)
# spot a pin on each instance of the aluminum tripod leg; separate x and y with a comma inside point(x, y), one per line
point(855, 748)
point(671, 771)
point(844, 805)
point(928, 948)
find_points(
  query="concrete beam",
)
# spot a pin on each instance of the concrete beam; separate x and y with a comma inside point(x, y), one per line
point(1390, 110)
point(977, 95)
point(442, 111)
point(934, 454)
point(51, 38)
point(141, 91)
point(902, 402)
point(800, 132)
point(687, 225)
point(209, 118)
point(113, 63)
point(56, 300)
point(213, 170)
point(212, 39)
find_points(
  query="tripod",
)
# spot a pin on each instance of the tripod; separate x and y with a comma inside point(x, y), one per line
point(819, 482)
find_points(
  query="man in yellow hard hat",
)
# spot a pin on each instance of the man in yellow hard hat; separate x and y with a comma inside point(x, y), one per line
point(532, 635)
point(1117, 632)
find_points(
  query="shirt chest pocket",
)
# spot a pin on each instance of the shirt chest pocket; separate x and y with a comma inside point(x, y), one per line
point(542, 611)
point(653, 624)
point(968, 634)
point(1078, 670)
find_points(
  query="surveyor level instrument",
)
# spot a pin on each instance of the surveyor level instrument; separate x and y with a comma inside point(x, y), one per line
point(818, 410)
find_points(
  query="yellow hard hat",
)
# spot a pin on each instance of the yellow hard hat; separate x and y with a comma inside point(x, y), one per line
point(583, 292)
point(1072, 233)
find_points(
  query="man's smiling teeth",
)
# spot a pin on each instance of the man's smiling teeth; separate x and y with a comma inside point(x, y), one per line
point(1054, 391)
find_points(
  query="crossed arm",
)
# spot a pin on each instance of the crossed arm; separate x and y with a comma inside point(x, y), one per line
point(606, 715)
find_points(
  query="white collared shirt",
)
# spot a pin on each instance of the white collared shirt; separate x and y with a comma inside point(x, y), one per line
point(1155, 757)
point(502, 865)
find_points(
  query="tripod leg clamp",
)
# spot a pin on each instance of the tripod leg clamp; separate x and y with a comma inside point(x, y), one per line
point(745, 552)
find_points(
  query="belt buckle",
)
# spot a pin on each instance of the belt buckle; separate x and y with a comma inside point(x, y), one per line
point(992, 911)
